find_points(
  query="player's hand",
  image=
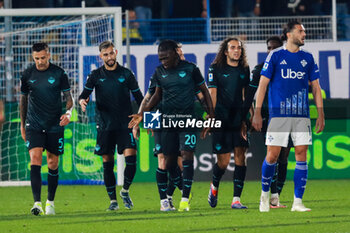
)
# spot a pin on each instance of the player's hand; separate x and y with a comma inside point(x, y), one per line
point(65, 119)
point(150, 131)
point(204, 132)
point(83, 103)
point(23, 132)
point(136, 119)
point(257, 122)
point(320, 123)
point(136, 132)
point(244, 131)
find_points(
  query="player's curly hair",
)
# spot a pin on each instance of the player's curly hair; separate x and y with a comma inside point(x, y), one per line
point(221, 60)
point(37, 47)
point(288, 28)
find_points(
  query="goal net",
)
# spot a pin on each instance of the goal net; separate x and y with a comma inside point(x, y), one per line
point(66, 31)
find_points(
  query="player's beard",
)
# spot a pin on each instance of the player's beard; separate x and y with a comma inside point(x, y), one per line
point(110, 64)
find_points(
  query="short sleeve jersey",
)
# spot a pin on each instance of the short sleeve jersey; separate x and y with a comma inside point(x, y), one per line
point(112, 89)
point(44, 89)
point(229, 82)
point(178, 86)
point(289, 75)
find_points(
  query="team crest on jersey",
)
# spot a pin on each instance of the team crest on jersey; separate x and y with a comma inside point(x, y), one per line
point(218, 147)
point(51, 80)
point(242, 76)
point(182, 74)
point(303, 63)
point(97, 147)
point(121, 79)
point(210, 77)
point(265, 66)
point(158, 146)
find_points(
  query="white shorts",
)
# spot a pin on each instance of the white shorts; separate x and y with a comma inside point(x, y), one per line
point(280, 127)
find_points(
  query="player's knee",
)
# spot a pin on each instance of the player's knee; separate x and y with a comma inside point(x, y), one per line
point(161, 162)
point(223, 163)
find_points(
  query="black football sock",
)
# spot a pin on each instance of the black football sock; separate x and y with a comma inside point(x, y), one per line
point(109, 178)
point(130, 171)
point(35, 181)
point(162, 179)
point(238, 180)
point(52, 182)
point(217, 174)
point(187, 177)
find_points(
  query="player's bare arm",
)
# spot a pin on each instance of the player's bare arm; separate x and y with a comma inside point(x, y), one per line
point(23, 108)
point(155, 99)
point(65, 118)
point(316, 92)
point(209, 104)
point(257, 119)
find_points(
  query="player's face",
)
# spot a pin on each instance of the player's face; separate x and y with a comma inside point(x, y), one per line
point(109, 56)
point(181, 53)
point(168, 58)
point(234, 50)
point(41, 59)
point(271, 45)
point(298, 35)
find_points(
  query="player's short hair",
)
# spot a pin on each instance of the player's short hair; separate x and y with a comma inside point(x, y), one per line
point(105, 44)
point(167, 44)
point(276, 39)
point(37, 47)
point(288, 28)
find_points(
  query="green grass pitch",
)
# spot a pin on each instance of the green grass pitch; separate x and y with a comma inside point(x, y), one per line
point(82, 209)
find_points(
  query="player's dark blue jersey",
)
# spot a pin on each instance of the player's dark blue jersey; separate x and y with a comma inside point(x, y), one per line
point(229, 82)
point(178, 86)
point(44, 89)
point(289, 75)
point(112, 88)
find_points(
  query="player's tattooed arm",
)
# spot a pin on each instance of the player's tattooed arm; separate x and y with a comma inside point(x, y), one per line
point(65, 118)
point(23, 108)
point(144, 102)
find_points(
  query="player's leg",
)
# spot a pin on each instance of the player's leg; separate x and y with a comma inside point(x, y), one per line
point(302, 137)
point(55, 147)
point(218, 171)
point(35, 179)
point(127, 145)
point(175, 181)
point(188, 142)
point(105, 147)
point(162, 183)
point(279, 178)
point(276, 137)
point(239, 177)
point(35, 141)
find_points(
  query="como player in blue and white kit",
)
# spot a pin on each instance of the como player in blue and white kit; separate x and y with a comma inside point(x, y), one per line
point(288, 70)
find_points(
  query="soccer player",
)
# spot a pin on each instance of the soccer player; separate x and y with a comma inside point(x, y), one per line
point(288, 70)
point(113, 83)
point(281, 167)
point(42, 121)
point(228, 77)
point(176, 83)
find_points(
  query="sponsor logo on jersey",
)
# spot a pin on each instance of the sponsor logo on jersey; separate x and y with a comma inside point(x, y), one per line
point(32, 81)
point(289, 73)
point(51, 80)
point(102, 79)
point(265, 66)
point(164, 75)
point(182, 74)
point(121, 79)
point(226, 75)
point(303, 63)
point(283, 62)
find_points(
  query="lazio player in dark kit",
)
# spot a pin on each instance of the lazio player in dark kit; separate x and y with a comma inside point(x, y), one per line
point(176, 82)
point(228, 77)
point(113, 84)
point(42, 121)
point(277, 182)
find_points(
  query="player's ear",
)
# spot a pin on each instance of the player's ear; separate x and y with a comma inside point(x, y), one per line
point(116, 52)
